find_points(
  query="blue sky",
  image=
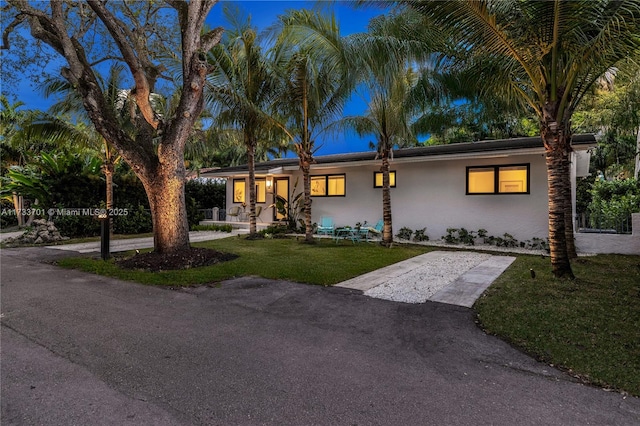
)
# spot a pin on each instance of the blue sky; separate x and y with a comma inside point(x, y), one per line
point(351, 20)
point(263, 14)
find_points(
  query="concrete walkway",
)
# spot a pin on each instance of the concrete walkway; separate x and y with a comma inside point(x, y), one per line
point(463, 291)
point(142, 243)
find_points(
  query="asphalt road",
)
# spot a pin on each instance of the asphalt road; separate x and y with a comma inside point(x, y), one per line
point(79, 349)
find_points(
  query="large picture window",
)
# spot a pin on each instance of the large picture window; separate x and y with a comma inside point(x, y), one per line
point(377, 179)
point(509, 179)
point(239, 191)
point(328, 186)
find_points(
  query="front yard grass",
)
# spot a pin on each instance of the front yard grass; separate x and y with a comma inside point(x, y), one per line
point(589, 327)
point(322, 263)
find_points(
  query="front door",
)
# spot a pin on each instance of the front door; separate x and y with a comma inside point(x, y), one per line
point(281, 191)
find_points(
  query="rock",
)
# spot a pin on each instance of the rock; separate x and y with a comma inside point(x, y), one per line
point(41, 232)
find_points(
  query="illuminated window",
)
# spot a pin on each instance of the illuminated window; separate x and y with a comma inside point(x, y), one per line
point(328, 186)
point(261, 190)
point(239, 190)
point(512, 179)
point(377, 179)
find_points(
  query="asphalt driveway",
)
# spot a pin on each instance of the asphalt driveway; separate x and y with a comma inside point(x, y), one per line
point(82, 349)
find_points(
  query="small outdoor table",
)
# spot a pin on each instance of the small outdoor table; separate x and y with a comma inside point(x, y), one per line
point(353, 234)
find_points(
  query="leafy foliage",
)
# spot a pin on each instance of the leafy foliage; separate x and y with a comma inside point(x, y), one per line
point(404, 233)
point(614, 201)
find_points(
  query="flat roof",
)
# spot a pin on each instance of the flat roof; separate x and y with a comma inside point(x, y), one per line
point(581, 141)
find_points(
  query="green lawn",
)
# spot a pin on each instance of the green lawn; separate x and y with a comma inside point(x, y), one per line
point(323, 263)
point(589, 326)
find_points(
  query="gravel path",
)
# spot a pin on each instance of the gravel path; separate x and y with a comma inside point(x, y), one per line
point(420, 283)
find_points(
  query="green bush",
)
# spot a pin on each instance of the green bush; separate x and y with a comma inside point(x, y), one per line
point(136, 221)
point(275, 231)
point(458, 236)
point(221, 228)
point(404, 233)
point(8, 217)
point(613, 202)
point(207, 193)
point(420, 235)
point(77, 226)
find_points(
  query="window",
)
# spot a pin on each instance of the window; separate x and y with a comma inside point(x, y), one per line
point(328, 186)
point(511, 179)
point(377, 179)
point(239, 190)
point(261, 190)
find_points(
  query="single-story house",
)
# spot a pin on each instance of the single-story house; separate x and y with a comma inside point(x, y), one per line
point(496, 185)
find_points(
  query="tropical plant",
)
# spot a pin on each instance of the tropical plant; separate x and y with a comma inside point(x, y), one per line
point(314, 58)
point(242, 93)
point(291, 210)
point(545, 55)
point(399, 86)
point(613, 110)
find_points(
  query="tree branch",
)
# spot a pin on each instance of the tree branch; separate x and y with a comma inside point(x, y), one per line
point(125, 40)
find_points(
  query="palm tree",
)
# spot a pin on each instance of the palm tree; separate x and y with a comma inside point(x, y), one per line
point(314, 58)
point(546, 55)
point(79, 132)
point(400, 97)
point(243, 88)
point(388, 117)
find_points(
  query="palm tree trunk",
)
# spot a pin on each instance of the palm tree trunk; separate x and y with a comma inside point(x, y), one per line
point(561, 267)
point(251, 158)
point(108, 169)
point(387, 230)
point(18, 205)
point(568, 205)
point(637, 169)
point(306, 173)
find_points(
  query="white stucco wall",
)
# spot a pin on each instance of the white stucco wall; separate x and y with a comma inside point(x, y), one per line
point(611, 243)
point(432, 194)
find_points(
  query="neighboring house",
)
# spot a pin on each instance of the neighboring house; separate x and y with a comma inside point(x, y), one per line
point(498, 185)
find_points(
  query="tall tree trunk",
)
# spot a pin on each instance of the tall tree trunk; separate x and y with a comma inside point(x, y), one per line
point(166, 194)
point(553, 140)
point(308, 227)
point(568, 205)
point(387, 230)
point(636, 172)
point(251, 158)
point(108, 168)
point(18, 206)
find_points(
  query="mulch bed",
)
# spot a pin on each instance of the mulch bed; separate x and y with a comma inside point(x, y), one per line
point(186, 259)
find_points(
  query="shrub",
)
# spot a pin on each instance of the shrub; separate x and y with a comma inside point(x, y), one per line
point(8, 217)
point(613, 202)
point(207, 193)
point(457, 236)
point(420, 235)
point(137, 221)
point(404, 233)
point(220, 228)
point(275, 231)
point(77, 226)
